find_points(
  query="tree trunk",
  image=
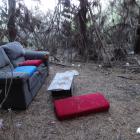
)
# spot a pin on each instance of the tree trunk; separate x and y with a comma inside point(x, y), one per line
point(137, 38)
point(11, 21)
point(83, 20)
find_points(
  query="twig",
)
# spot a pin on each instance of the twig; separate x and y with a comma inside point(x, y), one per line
point(126, 77)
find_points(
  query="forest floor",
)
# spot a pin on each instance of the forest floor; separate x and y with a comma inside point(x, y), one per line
point(120, 85)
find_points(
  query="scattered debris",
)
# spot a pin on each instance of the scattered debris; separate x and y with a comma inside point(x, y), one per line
point(53, 132)
point(52, 122)
point(131, 52)
point(138, 130)
point(127, 64)
point(79, 65)
point(61, 64)
point(100, 66)
point(65, 65)
point(107, 73)
point(18, 124)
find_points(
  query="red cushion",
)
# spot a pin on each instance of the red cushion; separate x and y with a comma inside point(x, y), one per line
point(31, 63)
point(80, 105)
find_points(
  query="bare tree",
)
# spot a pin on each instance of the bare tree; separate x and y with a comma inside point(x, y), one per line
point(11, 21)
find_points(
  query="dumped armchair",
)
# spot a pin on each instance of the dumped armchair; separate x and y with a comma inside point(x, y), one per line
point(22, 73)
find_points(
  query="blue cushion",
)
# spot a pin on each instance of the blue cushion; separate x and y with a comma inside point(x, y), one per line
point(26, 69)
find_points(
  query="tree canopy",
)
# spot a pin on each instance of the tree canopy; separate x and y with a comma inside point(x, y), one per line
point(90, 29)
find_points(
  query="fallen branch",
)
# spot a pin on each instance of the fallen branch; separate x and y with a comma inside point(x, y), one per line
point(126, 77)
point(60, 64)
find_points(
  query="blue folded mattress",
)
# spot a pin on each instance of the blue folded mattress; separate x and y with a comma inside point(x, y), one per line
point(26, 69)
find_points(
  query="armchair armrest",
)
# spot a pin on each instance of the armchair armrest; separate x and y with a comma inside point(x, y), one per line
point(29, 54)
point(15, 77)
point(14, 87)
point(43, 55)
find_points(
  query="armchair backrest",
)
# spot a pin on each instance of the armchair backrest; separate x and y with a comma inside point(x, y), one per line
point(15, 52)
point(5, 64)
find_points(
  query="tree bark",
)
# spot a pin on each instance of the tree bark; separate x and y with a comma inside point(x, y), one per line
point(11, 21)
point(137, 39)
point(83, 21)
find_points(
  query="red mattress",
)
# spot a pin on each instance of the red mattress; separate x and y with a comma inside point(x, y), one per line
point(80, 105)
point(31, 63)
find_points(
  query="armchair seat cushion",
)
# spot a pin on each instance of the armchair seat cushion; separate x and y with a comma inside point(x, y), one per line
point(31, 63)
point(80, 105)
point(26, 69)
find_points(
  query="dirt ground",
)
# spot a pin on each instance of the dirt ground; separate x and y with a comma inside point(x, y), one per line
point(119, 85)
